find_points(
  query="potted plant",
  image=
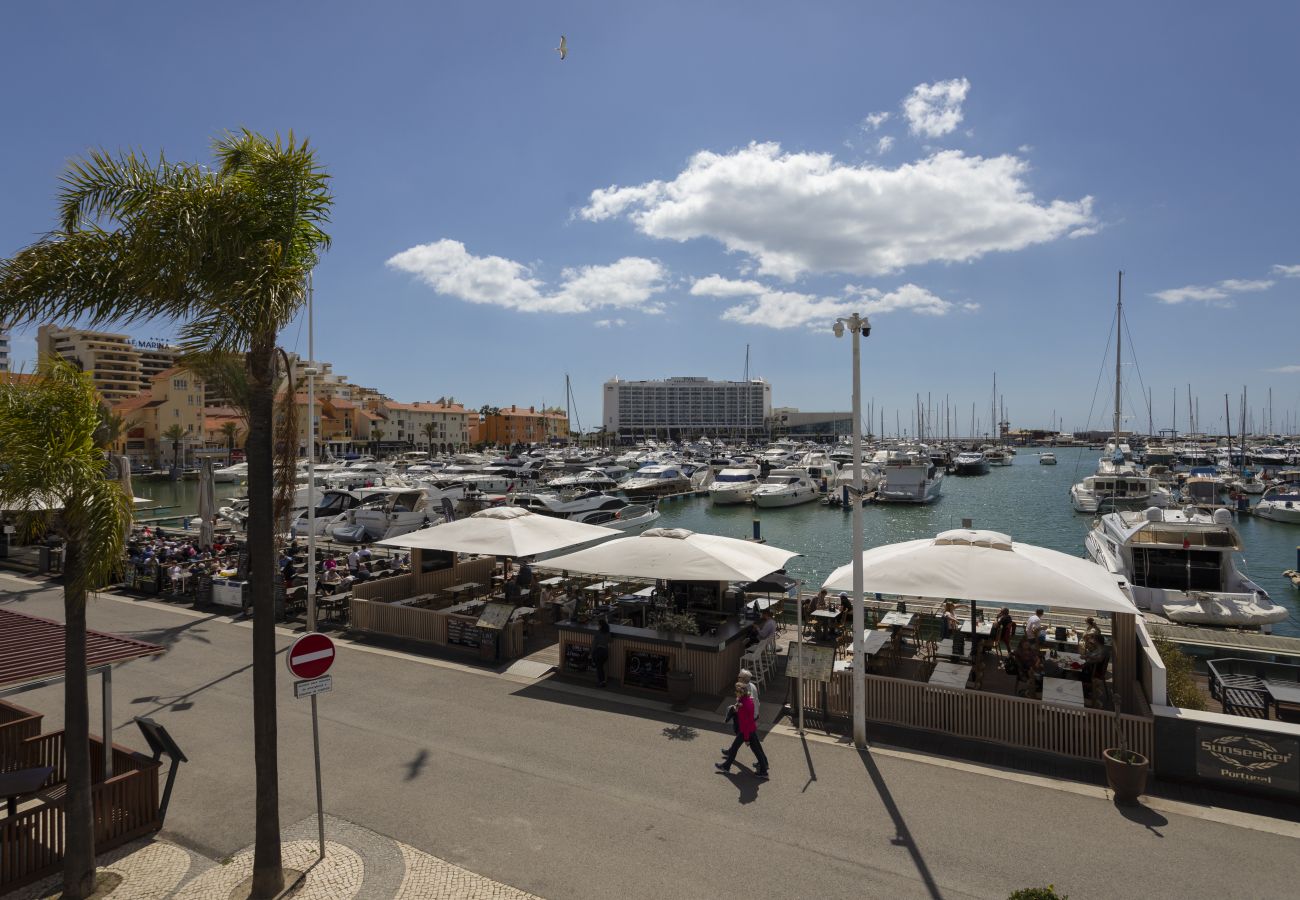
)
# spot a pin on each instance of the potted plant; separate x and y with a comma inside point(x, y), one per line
point(681, 683)
point(1126, 770)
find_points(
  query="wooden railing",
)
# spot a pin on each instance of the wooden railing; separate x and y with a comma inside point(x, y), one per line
point(17, 725)
point(124, 807)
point(399, 587)
point(411, 622)
point(1012, 721)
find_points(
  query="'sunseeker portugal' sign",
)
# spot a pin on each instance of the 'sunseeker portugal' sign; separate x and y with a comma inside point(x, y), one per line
point(1259, 759)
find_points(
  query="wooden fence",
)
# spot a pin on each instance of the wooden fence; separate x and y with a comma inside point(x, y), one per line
point(124, 806)
point(399, 587)
point(1011, 721)
point(428, 626)
point(17, 724)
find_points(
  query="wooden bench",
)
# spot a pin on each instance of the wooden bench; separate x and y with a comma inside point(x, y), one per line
point(1240, 701)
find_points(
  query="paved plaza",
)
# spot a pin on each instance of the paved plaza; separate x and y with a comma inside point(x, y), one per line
point(478, 781)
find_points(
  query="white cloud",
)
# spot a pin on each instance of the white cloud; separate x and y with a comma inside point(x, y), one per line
point(1085, 231)
point(804, 212)
point(1287, 271)
point(1287, 370)
point(883, 145)
point(933, 110)
point(1217, 294)
point(875, 120)
point(610, 323)
point(777, 308)
point(450, 269)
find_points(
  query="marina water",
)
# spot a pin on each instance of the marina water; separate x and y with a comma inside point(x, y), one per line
point(1026, 500)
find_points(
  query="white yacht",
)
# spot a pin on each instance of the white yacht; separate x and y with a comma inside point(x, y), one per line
point(1179, 564)
point(971, 462)
point(1279, 505)
point(1047, 458)
point(330, 504)
point(358, 474)
point(655, 481)
point(733, 485)
point(386, 513)
point(909, 478)
point(786, 487)
point(1099, 493)
point(589, 507)
point(591, 479)
point(231, 474)
point(998, 456)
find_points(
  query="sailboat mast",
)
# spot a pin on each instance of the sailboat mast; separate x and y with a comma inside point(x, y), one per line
point(1119, 346)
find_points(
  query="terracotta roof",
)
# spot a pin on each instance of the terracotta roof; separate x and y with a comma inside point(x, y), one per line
point(369, 415)
point(32, 648)
point(342, 404)
point(130, 404)
point(17, 377)
point(439, 408)
point(168, 373)
point(393, 405)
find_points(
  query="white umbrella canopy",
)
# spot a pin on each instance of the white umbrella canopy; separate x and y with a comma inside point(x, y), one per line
point(678, 555)
point(503, 531)
point(207, 504)
point(987, 566)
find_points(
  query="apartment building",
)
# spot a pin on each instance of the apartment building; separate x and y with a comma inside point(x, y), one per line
point(6, 364)
point(686, 407)
point(174, 401)
point(120, 366)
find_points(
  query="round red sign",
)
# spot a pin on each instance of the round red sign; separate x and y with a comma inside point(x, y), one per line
point(310, 656)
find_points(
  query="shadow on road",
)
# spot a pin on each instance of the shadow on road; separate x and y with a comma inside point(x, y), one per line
point(415, 767)
point(680, 733)
point(807, 755)
point(746, 783)
point(1142, 815)
point(182, 702)
point(168, 637)
point(902, 835)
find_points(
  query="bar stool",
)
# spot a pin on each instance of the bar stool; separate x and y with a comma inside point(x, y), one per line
point(753, 661)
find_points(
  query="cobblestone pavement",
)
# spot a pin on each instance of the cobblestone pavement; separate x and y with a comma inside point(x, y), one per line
point(358, 863)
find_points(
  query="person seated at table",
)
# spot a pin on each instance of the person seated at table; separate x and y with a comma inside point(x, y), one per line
point(331, 580)
point(822, 600)
point(761, 630)
point(364, 573)
point(1004, 628)
point(1090, 626)
point(1036, 628)
point(1096, 660)
point(513, 593)
point(524, 577)
point(948, 624)
point(1028, 662)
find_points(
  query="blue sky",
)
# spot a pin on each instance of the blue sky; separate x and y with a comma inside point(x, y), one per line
point(697, 177)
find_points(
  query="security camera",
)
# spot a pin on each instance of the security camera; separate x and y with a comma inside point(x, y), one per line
point(866, 329)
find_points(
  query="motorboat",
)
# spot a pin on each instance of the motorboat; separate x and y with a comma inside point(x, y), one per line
point(589, 507)
point(733, 485)
point(1047, 458)
point(909, 478)
point(786, 487)
point(1098, 493)
point(590, 479)
point(998, 456)
point(971, 462)
point(1179, 564)
point(655, 481)
point(386, 513)
point(231, 474)
point(357, 474)
point(1279, 505)
point(1202, 487)
point(330, 504)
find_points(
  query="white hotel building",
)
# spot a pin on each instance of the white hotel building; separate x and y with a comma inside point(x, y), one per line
point(686, 408)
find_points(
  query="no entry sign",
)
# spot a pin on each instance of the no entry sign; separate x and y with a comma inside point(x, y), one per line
point(310, 656)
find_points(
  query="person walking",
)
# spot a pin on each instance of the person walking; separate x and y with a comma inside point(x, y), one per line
point(747, 733)
point(746, 678)
point(600, 651)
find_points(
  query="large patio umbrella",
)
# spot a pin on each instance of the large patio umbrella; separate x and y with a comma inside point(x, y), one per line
point(207, 504)
point(503, 531)
point(678, 555)
point(968, 564)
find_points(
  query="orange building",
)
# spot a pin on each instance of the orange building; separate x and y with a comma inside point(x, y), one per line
point(515, 425)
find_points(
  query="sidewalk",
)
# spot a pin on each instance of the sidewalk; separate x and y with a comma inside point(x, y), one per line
point(358, 863)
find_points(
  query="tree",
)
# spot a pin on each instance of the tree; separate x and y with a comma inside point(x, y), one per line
point(175, 434)
point(377, 436)
point(230, 431)
point(430, 431)
point(49, 428)
point(224, 253)
point(112, 429)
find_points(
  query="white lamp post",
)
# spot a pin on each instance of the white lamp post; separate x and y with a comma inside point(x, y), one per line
point(858, 326)
point(311, 462)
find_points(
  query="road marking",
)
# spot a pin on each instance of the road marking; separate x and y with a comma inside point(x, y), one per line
point(312, 657)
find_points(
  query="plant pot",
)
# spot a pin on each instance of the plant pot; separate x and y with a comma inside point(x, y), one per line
point(1126, 773)
point(680, 687)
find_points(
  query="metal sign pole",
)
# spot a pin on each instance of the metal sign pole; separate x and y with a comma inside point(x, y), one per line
point(799, 625)
point(320, 801)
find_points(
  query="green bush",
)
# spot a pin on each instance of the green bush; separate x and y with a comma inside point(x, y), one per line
point(1184, 692)
point(1038, 893)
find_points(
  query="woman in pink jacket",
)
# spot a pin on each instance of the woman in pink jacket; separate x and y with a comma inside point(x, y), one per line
point(747, 734)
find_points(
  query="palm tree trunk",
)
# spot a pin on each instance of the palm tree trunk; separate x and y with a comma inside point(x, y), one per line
point(268, 873)
point(79, 846)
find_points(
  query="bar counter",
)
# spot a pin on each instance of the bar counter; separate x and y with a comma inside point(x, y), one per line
point(641, 657)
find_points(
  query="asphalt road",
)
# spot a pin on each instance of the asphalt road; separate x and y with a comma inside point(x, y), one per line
point(570, 797)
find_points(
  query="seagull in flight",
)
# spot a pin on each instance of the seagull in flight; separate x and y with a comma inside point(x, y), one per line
point(563, 49)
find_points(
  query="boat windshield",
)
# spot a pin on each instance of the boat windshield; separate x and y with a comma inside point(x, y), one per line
point(738, 476)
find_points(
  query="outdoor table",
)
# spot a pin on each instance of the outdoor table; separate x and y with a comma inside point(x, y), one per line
point(950, 675)
point(843, 665)
point(897, 619)
point(822, 619)
point(552, 581)
point(1063, 691)
point(457, 589)
point(24, 781)
point(600, 586)
point(646, 592)
point(872, 642)
point(1069, 662)
point(982, 629)
point(1283, 691)
point(761, 603)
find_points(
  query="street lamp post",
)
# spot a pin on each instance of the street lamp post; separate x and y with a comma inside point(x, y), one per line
point(858, 326)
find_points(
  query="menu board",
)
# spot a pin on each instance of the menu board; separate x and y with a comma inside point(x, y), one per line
point(577, 657)
point(646, 669)
point(495, 615)
point(462, 633)
point(814, 663)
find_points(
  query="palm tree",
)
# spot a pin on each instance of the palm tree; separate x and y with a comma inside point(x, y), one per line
point(175, 434)
point(430, 430)
point(112, 429)
point(50, 451)
point(230, 431)
point(223, 253)
point(377, 436)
